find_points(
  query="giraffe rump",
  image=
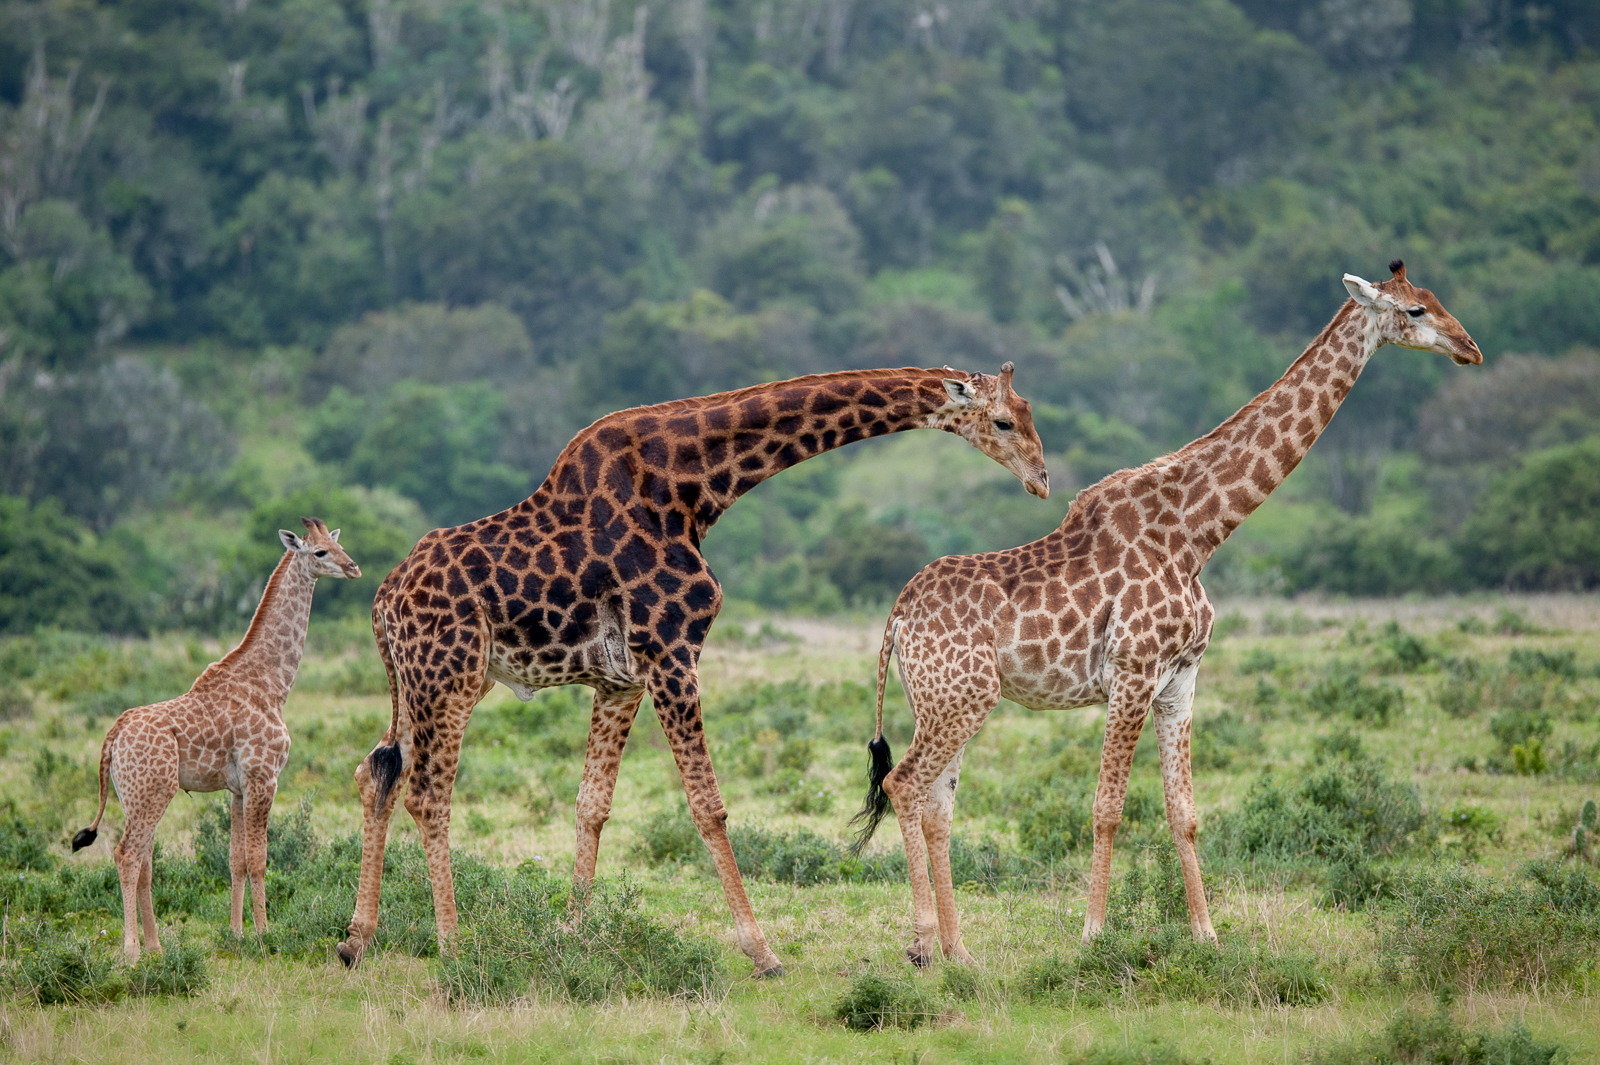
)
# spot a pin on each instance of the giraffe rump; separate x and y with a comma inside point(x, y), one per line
point(877, 805)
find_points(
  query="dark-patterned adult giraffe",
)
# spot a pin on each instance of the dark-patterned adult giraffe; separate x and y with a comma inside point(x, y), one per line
point(598, 579)
point(1109, 608)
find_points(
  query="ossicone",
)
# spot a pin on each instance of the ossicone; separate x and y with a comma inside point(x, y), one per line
point(1398, 269)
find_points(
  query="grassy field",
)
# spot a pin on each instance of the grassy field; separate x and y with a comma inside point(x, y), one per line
point(1375, 779)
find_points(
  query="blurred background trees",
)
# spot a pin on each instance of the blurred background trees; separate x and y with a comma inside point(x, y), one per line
point(383, 258)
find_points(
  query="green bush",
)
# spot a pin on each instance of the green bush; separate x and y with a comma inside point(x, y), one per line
point(55, 968)
point(1167, 962)
point(1346, 693)
point(876, 1001)
point(180, 969)
point(1439, 1040)
point(1533, 662)
point(1453, 927)
point(521, 938)
point(1343, 808)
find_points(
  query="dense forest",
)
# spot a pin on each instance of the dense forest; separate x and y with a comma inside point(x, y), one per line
point(377, 260)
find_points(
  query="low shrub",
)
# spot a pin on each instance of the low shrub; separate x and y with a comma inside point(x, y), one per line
point(1439, 1040)
point(1457, 928)
point(1055, 816)
point(62, 969)
point(1344, 804)
point(1347, 694)
point(523, 938)
point(875, 1001)
point(1167, 962)
point(180, 969)
point(1217, 741)
point(1533, 662)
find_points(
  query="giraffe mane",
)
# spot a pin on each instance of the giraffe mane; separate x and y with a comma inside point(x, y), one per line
point(268, 595)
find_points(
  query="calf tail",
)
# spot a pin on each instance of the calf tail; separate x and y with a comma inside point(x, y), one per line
point(877, 805)
point(88, 835)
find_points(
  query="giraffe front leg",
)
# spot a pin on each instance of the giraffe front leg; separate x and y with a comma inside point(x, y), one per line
point(257, 811)
point(379, 788)
point(608, 735)
point(676, 694)
point(1174, 719)
point(238, 867)
point(1131, 693)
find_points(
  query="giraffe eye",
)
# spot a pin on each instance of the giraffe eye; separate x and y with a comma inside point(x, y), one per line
point(1417, 312)
point(1004, 425)
point(322, 554)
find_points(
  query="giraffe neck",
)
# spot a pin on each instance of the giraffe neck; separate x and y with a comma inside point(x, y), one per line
point(268, 657)
point(691, 459)
point(1226, 474)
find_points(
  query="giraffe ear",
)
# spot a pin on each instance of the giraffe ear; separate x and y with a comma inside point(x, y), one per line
point(961, 392)
point(334, 536)
point(1367, 294)
point(291, 542)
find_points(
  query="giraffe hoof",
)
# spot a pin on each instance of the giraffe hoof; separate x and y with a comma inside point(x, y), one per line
point(774, 973)
point(918, 958)
point(351, 956)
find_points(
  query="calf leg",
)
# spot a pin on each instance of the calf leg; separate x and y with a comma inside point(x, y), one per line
point(238, 868)
point(257, 809)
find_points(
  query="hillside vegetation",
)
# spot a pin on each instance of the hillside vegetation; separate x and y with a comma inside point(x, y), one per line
point(379, 260)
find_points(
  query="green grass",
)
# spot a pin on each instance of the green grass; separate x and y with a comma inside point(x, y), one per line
point(1364, 866)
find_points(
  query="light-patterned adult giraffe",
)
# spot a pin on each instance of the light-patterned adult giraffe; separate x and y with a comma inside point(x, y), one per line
point(1109, 608)
point(225, 733)
point(598, 579)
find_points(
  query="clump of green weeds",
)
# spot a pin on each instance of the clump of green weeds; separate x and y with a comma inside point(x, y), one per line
point(1166, 963)
point(1343, 692)
point(875, 1001)
point(54, 966)
point(1454, 927)
point(528, 935)
point(1439, 1040)
point(1344, 814)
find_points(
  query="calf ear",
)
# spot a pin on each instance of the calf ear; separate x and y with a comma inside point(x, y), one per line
point(291, 542)
point(334, 536)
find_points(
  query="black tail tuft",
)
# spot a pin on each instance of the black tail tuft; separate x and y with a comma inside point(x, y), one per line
point(84, 838)
point(877, 804)
point(386, 765)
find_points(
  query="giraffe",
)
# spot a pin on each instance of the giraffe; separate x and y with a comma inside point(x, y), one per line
point(598, 579)
point(1109, 609)
point(226, 732)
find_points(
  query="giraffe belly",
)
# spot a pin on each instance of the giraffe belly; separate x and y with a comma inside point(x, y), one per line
point(599, 663)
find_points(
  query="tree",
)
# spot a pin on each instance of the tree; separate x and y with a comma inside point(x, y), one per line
point(1538, 526)
point(53, 572)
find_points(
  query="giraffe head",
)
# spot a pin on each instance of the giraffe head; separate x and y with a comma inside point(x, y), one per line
point(321, 549)
point(1412, 317)
point(986, 413)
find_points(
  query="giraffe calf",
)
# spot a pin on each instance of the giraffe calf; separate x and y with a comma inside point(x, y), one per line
point(225, 733)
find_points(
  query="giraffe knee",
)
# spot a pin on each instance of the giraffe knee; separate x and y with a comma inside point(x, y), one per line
point(709, 820)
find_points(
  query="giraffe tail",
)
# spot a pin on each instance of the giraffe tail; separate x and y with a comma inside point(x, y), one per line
point(877, 804)
point(385, 762)
point(88, 835)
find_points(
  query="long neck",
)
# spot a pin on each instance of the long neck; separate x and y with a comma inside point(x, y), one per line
point(268, 657)
point(1226, 474)
point(693, 458)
